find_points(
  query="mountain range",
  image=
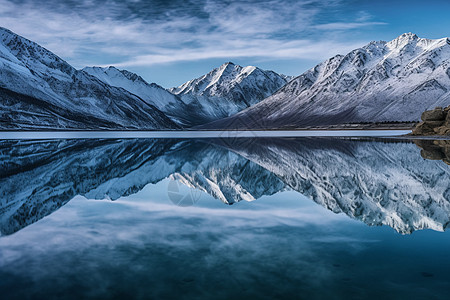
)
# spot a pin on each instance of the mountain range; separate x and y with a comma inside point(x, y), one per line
point(220, 93)
point(380, 82)
point(39, 90)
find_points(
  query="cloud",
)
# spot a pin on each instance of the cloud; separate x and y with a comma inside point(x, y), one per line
point(144, 33)
point(275, 49)
point(346, 26)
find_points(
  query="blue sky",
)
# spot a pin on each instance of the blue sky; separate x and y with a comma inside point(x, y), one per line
point(170, 42)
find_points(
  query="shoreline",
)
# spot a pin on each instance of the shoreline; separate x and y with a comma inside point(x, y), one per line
point(340, 127)
point(214, 130)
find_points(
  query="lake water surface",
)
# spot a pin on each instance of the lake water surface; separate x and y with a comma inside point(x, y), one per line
point(224, 218)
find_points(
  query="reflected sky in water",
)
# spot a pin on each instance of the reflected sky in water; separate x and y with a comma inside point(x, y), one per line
point(281, 245)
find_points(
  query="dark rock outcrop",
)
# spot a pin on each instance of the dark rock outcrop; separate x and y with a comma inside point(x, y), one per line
point(434, 122)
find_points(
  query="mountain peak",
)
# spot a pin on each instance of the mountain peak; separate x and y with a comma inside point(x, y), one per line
point(229, 88)
point(412, 40)
point(402, 40)
point(408, 35)
point(228, 66)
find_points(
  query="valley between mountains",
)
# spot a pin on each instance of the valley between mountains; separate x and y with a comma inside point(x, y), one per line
point(382, 82)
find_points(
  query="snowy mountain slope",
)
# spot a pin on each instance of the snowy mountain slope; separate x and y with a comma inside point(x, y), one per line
point(229, 89)
point(382, 81)
point(220, 93)
point(40, 90)
point(152, 93)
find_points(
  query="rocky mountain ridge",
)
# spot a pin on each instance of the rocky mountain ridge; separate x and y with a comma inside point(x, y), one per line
point(380, 82)
point(220, 93)
point(229, 89)
point(39, 90)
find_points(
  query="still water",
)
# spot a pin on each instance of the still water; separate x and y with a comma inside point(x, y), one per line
point(224, 218)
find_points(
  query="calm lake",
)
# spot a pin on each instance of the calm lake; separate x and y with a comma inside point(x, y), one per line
point(224, 217)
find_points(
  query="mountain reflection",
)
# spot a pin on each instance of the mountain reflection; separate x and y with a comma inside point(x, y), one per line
point(377, 182)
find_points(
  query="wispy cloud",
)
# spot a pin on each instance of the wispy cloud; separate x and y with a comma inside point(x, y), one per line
point(143, 33)
point(272, 48)
point(346, 26)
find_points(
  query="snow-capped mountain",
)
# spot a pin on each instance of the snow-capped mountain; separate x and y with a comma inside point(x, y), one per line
point(40, 90)
point(222, 92)
point(229, 89)
point(152, 93)
point(382, 81)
